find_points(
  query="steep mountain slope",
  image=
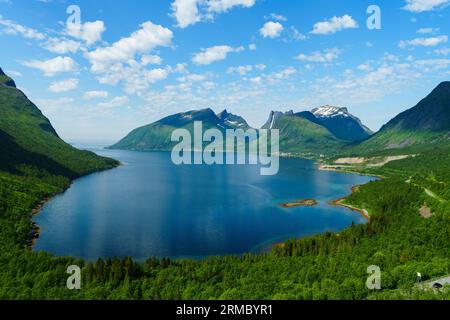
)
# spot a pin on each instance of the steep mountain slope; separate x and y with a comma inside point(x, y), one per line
point(27, 138)
point(233, 121)
point(299, 133)
point(426, 123)
point(341, 123)
point(157, 136)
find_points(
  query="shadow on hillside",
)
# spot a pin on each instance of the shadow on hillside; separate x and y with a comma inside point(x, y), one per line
point(12, 156)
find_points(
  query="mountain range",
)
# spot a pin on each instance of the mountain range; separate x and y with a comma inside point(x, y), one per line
point(322, 129)
point(27, 134)
point(325, 130)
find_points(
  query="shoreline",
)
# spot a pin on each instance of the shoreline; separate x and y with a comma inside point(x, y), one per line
point(299, 203)
point(339, 202)
point(35, 231)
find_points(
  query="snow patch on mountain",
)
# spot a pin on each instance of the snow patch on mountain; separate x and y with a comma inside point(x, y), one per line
point(330, 112)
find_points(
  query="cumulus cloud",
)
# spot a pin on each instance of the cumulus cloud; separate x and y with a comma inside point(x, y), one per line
point(271, 29)
point(220, 6)
point(243, 70)
point(62, 46)
point(13, 28)
point(424, 5)
point(424, 42)
point(186, 12)
point(190, 12)
point(213, 54)
point(88, 95)
point(334, 25)
point(53, 66)
point(150, 59)
point(148, 37)
point(64, 85)
point(89, 32)
point(328, 55)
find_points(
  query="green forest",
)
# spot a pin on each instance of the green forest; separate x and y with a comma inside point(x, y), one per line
point(35, 164)
point(330, 266)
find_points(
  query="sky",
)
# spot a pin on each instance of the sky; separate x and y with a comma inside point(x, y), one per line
point(98, 69)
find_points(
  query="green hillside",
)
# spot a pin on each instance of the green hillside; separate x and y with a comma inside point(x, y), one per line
point(299, 135)
point(36, 164)
point(28, 139)
point(425, 124)
point(157, 136)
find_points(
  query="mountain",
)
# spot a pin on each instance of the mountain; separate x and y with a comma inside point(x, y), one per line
point(28, 139)
point(5, 80)
point(157, 136)
point(274, 116)
point(426, 123)
point(233, 121)
point(341, 123)
point(301, 133)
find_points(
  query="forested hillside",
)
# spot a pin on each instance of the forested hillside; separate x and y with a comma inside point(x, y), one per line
point(330, 266)
point(36, 164)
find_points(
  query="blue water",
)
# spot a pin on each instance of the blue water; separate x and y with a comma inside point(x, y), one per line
point(150, 207)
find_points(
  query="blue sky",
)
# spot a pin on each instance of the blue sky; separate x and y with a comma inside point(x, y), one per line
point(129, 63)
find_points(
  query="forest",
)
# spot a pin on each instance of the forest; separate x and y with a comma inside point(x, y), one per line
point(330, 266)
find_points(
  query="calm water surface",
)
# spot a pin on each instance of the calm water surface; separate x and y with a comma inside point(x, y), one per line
point(150, 207)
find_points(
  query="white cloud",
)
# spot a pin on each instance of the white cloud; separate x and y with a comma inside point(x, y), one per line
point(192, 78)
point(277, 17)
point(90, 32)
point(46, 104)
point(213, 54)
point(64, 85)
point(424, 42)
point(252, 47)
point(114, 103)
point(95, 95)
point(334, 25)
point(328, 55)
point(186, 12)
point(427, 30)
point(190, 12)
point(144, 40)
point(220, 6)
point(283, 74)
point(62, 46)
point(424, 5)
point(53, 66)
point(243, 70)
point(296, 35)
point(150, 59)
point(271, 29)
point(443, 51)
point(13, 28)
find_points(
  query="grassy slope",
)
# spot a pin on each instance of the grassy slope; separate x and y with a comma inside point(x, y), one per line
point(298, 135)
point(30, 140)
